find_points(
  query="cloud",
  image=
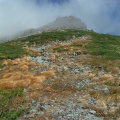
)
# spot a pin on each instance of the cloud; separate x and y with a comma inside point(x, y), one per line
point(18, 15)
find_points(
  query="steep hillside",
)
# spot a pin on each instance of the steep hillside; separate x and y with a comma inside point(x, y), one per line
point(63, 74)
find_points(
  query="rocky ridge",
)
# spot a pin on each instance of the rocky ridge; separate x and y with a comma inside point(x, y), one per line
point(61, 23)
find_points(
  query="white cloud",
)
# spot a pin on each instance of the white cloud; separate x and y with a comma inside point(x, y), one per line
point(18, 15)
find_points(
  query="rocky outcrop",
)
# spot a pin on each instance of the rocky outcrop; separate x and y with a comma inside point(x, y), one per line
point(61, 23)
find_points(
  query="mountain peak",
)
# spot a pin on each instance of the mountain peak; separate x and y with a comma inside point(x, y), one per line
point(67, 22)
point(61, 23)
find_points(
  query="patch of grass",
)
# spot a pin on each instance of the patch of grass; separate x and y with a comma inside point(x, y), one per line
point(60, 49)
point(76, 45)
point(9, 105)
point(107, 46)
point(11, 115)
point(10, 51)
point(51, 36)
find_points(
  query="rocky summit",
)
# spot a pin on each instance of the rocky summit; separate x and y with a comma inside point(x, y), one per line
point(61, 23)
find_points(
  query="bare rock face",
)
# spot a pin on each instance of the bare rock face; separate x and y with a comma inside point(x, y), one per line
point(61, 23)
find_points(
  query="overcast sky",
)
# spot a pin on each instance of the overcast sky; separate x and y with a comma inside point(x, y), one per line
point(100, 15)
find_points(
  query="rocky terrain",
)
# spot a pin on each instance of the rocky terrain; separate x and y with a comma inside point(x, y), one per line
point(61, 82)
point(61, 23)
point(60, 71)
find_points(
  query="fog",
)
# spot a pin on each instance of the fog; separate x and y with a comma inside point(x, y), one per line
point(18, 15)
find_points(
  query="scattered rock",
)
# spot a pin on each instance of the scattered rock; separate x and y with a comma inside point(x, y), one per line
point(92, 112)
point(105, 90)
point(92, 101)
point(83, 83)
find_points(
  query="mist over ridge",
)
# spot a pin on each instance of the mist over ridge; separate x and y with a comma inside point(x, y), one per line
point(19, 15)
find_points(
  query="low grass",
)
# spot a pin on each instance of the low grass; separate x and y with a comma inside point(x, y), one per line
point(50, 36)
point(76, 45)
point(10, 104)
point(107, 46)
point(60, 49)
point(10, 51)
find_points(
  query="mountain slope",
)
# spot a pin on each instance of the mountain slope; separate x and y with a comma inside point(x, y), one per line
point(70, 74)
